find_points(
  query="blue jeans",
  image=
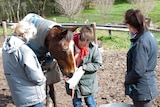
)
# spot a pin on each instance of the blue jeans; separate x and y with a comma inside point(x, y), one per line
point(90, 102)
point(38, 105)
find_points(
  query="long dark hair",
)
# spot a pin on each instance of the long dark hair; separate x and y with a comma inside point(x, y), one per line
point(136, 19)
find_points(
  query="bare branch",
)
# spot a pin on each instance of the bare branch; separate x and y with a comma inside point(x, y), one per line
point(69, 7)
point(146, 6)
point(103, 7)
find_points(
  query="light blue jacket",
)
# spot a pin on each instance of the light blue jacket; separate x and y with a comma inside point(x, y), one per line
point(23, 73)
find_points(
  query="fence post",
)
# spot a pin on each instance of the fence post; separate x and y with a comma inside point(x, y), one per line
point(4, 26)
point(94, 32)
point(109, 32)
point(54, 20)
point(75, 22)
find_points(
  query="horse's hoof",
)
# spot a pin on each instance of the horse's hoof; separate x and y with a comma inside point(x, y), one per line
point(49, 102)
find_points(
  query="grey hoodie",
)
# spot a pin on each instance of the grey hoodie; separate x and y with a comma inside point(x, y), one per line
point(23, 73)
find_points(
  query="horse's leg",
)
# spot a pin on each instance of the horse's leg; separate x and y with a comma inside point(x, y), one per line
point(52, 94)
point(46, 95)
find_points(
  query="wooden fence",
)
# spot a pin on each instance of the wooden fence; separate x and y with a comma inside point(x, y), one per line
point(94, 26)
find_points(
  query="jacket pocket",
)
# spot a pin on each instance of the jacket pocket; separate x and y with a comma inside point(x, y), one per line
point(86, 87)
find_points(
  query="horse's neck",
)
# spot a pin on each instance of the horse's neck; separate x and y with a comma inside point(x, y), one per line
point(38, 44)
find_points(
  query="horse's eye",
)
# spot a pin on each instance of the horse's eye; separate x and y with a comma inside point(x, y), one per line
point(65, 49)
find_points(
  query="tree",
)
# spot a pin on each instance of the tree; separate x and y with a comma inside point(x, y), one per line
point(38, 6)
point(69, 8)
point(146, 6)
point(11, 10)
point(87, 3)
point(103, 7)
point(3, 10)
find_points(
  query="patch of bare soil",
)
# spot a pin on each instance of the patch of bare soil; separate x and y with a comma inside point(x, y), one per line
point(111, 78)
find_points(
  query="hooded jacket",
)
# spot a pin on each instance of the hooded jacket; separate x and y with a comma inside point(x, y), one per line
point(23, 73)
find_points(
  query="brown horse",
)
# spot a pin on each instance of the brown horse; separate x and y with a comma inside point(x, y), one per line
point(52, 37)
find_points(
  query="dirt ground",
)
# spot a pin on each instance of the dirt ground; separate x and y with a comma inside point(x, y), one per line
point(111, 78)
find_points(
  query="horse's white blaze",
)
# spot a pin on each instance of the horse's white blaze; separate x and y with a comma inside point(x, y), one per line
point(71, 47)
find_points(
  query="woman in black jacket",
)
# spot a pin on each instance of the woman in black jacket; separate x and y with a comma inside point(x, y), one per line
point(140, 79)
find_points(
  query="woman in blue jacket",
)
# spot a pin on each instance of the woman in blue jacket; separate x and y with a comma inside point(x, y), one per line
point(140, 80)
point(22, 69)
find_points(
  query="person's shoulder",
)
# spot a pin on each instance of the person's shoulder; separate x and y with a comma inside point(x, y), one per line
point(26, 49)
point(148, 34)
point(93, 44)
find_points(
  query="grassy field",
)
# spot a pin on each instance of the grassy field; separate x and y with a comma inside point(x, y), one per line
point(115, 16)
point(118, 40)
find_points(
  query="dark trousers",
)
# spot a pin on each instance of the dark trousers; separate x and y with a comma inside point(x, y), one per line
point(147, 103)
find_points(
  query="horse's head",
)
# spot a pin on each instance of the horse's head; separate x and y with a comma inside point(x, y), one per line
point(60, 45)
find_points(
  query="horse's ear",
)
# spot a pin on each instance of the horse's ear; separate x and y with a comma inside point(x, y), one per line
point(73, 28)
point(63, 34)
point(66, 34)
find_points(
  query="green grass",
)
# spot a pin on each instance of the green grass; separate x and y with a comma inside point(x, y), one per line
point(9, 31)
point(157, 35)
point(116, 14)
point(155, 14)
point(1, 31)
point(116, 41)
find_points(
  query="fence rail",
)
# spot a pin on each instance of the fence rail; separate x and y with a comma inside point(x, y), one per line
point(95, 27)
